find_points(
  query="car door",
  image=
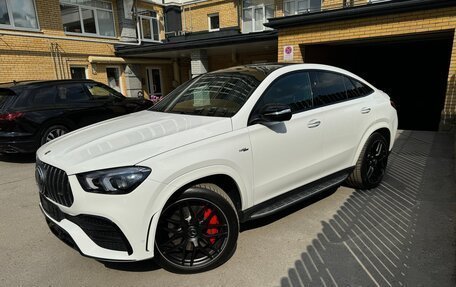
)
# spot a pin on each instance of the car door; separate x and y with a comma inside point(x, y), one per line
point(75, 101)
point(286, 154)
point(341, 126)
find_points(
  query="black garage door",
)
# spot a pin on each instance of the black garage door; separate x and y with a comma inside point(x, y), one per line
point(413, 70)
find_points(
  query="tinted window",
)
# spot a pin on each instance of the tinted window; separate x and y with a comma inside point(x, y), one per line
point(44, 96)
point(361, 89)
point(292, 89)
point(99, 91)
point(328, 88)
point(352, 92)
point(5, 94)
point(71, 93)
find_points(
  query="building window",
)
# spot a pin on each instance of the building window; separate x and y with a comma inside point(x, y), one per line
point(293, 7)
point(18, 14)
point(78, 73)
point(214, 22)
point(113, 74)
point(93, 17)
point(150, 30)
point(255, 14)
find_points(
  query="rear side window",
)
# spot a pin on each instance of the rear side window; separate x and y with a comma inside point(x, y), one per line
point(328, 88)
point(72, 93)
point(44, 96)
point(361, 89)
point(5, 95)
point(292, 89)
point(40, 97)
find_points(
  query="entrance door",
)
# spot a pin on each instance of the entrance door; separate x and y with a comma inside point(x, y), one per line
point(154, 85)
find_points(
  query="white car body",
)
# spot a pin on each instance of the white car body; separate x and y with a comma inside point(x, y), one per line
point(180, 149)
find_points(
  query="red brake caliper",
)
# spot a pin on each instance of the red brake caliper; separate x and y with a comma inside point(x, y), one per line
point(214, 220)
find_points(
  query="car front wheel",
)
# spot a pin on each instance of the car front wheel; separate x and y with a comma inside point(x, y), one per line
point(197, 231)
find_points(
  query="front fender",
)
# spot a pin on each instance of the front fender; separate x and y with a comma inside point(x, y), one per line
point(172, 187)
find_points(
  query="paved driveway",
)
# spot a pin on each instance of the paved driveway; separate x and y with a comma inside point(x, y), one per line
point(401, 233)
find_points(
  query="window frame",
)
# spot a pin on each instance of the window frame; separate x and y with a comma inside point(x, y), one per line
point(86, 70)
point(347, 98)
point(252, 8)
point(209, 16)
point(118, 68)
point(255, 108)
point(95, 13)
point(307, 10)
point(11, 18)
point(150, 18)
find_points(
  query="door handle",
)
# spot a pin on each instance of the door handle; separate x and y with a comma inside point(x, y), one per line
point(365, 110)
point(313, 123)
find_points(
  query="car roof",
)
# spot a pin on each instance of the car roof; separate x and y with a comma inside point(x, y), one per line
point(34, 84)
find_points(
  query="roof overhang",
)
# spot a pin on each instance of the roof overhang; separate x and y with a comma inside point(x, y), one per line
point(368, 10)
point(118, 60)
point(199, 41)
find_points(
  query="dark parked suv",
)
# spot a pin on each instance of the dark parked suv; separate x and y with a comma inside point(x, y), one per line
point(35, 112)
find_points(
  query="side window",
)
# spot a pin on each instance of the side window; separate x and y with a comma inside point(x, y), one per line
point(361, 88)
point(352, 92)
point(292, 89)
point(100, 92)
point(44, 96)
point(71, 93)
point(328, 88)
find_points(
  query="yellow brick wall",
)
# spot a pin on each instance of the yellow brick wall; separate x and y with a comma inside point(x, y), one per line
point(380, 26)
point(194, 16)
point(28, 58)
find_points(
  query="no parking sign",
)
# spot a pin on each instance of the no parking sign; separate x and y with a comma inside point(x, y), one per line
point(288, 53)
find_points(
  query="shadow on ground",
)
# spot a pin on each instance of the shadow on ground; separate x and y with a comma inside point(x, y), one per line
point(18, 158)
point(372, 240)
point(140, 266)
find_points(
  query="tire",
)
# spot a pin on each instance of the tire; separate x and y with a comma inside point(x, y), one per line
point(371, 165)
point(183, 241)
point(53, 132)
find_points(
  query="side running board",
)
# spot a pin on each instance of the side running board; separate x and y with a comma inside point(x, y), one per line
point(295, 196)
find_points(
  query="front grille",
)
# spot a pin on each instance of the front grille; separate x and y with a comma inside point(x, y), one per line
point(102, 231)
point(53, 183)
point(51, 209)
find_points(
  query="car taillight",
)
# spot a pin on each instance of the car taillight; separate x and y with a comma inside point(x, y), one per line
point(11, 116)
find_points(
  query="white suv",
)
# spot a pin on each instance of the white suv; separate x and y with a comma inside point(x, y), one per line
point(174, 182)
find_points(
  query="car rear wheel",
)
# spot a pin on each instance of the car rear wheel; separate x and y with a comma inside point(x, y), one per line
point(53, 132)
point(371, 165)
point(198, 231)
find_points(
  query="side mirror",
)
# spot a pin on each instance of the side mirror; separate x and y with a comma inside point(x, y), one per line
point(275, 113)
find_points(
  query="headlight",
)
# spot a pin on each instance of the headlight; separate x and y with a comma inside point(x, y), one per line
point(113, 181)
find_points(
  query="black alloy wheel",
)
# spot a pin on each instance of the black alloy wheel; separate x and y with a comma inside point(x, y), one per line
point(376, 160)
point(371, 165)
point(53, 132)
point(198, 231)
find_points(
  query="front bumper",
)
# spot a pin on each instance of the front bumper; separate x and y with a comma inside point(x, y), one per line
point(124, 225)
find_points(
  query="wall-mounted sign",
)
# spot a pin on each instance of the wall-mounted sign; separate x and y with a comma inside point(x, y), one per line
point(288, 53)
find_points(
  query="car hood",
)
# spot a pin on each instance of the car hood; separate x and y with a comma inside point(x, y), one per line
point(128, 140)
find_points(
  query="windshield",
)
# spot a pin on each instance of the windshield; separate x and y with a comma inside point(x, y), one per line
point(219, 94)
